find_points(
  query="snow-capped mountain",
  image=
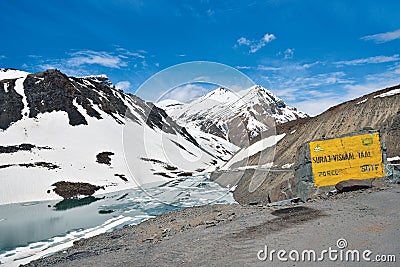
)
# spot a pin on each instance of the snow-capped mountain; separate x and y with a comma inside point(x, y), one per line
point(236, 117)
point(55, 128)
point(379, 110)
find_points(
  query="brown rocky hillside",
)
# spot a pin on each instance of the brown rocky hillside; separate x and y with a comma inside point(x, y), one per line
point(380, 113)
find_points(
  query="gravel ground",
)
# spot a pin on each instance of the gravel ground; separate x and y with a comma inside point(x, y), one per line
point(232, 235)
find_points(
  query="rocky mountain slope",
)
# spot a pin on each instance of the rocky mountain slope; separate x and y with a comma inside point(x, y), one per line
point(56, 128)
point(236, 117)
point(379, 110)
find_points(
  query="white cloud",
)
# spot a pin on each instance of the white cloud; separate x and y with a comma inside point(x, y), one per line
point(314, 107)
point(201, 78)
point(288, 53)
point(259, 67)
point(186, 93)
point(374, 82)
point(89, 62)
point(144, 64)
point(243, 67)
point(288, 94)
point(243, 41)
point(383, 37)
point(135, 54)
point(124, 53)
point(311, 94)
point(269, 37)
point(255, 45)
point(210, 12)
point(34, 56)
point(309, 65)
point(316, 101)
point(268, 68)
point(123, 85)
point(63, 67)
point(318, 80)
point(315, 93)
point(94, 57)
point(369, 60)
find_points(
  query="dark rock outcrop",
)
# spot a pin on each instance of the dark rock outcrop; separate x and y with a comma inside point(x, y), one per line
point(52, 90)
point(71, 189)
point(10, 104)
point(21, 147)
point(42, 164)
point(104, 158)
point(158, 118)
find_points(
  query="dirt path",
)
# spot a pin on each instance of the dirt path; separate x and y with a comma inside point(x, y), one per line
point(232, 235)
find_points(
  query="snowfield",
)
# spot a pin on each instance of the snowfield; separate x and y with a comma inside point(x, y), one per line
point(230, 115)
point(390, 93)
point(252, 150)
point(140, 152)
point(86, 130)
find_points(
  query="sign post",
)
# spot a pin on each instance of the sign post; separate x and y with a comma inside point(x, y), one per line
point(356, 157)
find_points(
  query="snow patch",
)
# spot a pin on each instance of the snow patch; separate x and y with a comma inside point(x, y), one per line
point(12, 74)
point(390, 93)
point(19, 88)
point(253, 149)
point(393, 159)
point(233, 188)
point(19, 85)
point(101, 76)
point(39, 80)
point(255, 167)
point(362, 101)
point(169, 105)
point(287, 166)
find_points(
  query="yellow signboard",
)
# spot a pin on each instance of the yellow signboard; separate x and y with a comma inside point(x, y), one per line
point(356, 157)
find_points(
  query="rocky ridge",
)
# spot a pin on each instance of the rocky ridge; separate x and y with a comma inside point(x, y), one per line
point(379, 110)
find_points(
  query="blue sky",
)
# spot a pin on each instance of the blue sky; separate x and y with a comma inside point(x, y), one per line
point(313, 54)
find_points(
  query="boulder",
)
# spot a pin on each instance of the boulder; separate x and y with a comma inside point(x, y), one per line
point(353, 185)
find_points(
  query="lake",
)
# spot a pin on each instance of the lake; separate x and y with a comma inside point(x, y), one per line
point(36, 229)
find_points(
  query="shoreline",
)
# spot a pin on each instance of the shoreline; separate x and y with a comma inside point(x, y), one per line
point(83, 220)
point(104, 190)
point(215, 235)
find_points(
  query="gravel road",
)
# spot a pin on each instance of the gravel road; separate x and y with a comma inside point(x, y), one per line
point(233, 235)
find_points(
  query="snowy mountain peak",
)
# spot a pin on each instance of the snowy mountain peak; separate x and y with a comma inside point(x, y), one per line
point(220, 94)
point(101, 78)
point(234, 116)
point(218, 91)
point(260, 93)
point(56, 128)
point(12, 74)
